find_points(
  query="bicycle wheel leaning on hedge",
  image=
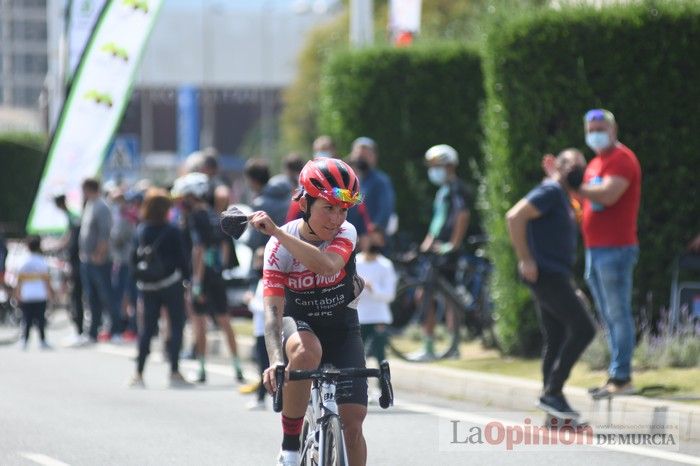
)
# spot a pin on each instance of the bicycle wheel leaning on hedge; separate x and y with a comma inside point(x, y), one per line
point(411, 318)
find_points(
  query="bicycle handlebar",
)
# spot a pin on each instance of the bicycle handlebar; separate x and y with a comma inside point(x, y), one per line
point(333, 374)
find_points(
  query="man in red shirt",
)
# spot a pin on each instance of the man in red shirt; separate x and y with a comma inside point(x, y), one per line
point(611, 190)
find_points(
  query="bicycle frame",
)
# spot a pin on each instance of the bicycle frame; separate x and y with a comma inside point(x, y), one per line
point(323, 406)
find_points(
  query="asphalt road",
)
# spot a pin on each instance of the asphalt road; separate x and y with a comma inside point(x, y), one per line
point(72, 406)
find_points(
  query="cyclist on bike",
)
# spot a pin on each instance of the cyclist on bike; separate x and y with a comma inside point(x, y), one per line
point(448, 226)
point(309, 287)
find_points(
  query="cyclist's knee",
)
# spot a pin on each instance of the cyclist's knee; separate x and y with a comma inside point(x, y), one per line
point(304, 351)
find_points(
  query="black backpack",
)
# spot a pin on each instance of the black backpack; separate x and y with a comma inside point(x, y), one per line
point(149, 266)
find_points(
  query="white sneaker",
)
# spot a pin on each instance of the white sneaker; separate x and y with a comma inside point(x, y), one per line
point(45, 346)
point(76, 341)
point(136, 381)
point(288, 458)
point(255, 405)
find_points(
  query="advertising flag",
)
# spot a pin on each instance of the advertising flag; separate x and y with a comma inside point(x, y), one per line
point(94, 107)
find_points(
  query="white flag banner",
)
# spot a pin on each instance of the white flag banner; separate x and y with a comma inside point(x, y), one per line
point(93, 109)
point(81, 21)
point(404, 16)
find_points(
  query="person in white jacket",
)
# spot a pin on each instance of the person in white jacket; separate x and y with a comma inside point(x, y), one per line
point(380, 288)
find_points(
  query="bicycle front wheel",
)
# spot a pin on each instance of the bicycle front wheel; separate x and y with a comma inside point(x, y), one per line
point(333, 446)
point(309, 446)
point(426, 324)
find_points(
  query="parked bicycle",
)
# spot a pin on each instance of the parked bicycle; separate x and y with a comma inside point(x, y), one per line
point(422, 288)
point(322, 442)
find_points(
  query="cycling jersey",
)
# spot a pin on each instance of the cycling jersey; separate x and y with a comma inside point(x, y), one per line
point(319, 300)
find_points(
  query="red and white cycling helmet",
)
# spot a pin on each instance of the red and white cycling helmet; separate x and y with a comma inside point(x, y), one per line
point(332, 180)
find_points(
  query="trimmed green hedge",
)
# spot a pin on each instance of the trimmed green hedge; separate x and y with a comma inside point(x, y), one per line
point(22, 157)
point(542, 73)
point(407, 100)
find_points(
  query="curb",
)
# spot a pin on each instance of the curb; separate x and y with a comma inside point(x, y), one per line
point(521, 394)
point(505, 392)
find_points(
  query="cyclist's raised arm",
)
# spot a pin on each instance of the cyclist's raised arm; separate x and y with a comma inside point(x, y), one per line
point(328, 262)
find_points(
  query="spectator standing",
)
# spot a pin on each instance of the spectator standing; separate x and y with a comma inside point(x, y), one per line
point(256, 307)
point(377, 189)
point(70, 244)
point(208, 290)
point(122, 243)
point(611, 190)
point(324, 146)
point(448, 226)
point(379, 290)
point(33, 291)
point(543, 231)
point(270, 198)
point(96, 267)
point(167, 290)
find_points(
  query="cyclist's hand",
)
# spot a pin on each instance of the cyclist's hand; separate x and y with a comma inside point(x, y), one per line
point(269, 380)
point(528, 270)
point(443, 248)
point(262, 222)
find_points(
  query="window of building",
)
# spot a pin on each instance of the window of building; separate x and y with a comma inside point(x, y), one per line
point(25, 4)
point(32, 31)
point(29, 64)
point(25, 96)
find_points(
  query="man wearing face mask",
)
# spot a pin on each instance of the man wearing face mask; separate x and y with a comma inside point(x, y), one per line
point(377, 189)
point(542, 228)
point(611, 190)
point(449, 225)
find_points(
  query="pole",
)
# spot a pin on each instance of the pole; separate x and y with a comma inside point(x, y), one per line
point(361, 23)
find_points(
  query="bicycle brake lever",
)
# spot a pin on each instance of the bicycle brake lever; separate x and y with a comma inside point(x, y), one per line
point(277, 401)
point(386, 399)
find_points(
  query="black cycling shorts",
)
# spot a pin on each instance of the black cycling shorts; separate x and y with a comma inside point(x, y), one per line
point(214, 294)
point(342, 348)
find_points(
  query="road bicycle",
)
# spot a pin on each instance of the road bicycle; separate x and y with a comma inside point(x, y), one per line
point(322, 442)
point(424, 297)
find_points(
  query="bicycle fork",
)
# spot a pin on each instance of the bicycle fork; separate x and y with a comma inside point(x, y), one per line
point(323, 397)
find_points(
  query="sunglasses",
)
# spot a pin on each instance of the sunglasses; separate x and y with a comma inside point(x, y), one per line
point(599, 114)
point(345, 195)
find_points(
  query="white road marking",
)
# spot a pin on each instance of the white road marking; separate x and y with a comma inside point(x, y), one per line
point(482, 420)
point(43, 459)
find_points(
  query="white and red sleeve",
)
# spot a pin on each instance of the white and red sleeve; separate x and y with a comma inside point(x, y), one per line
point(345, 241)
point(276, 266)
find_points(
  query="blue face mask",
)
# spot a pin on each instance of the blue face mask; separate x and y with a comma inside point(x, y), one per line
point(598, 140)
point(437, 175)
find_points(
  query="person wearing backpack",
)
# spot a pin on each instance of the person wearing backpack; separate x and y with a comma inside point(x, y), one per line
point(160, 266)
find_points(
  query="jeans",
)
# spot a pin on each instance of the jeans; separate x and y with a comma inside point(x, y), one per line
point(609, 277)
point(76, 297)
point(566, 327)
point(97, 281)
point(122, 282)
point(173, 299)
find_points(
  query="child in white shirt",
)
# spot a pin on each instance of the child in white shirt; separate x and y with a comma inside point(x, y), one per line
point(380, 287)
point(33, 291)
